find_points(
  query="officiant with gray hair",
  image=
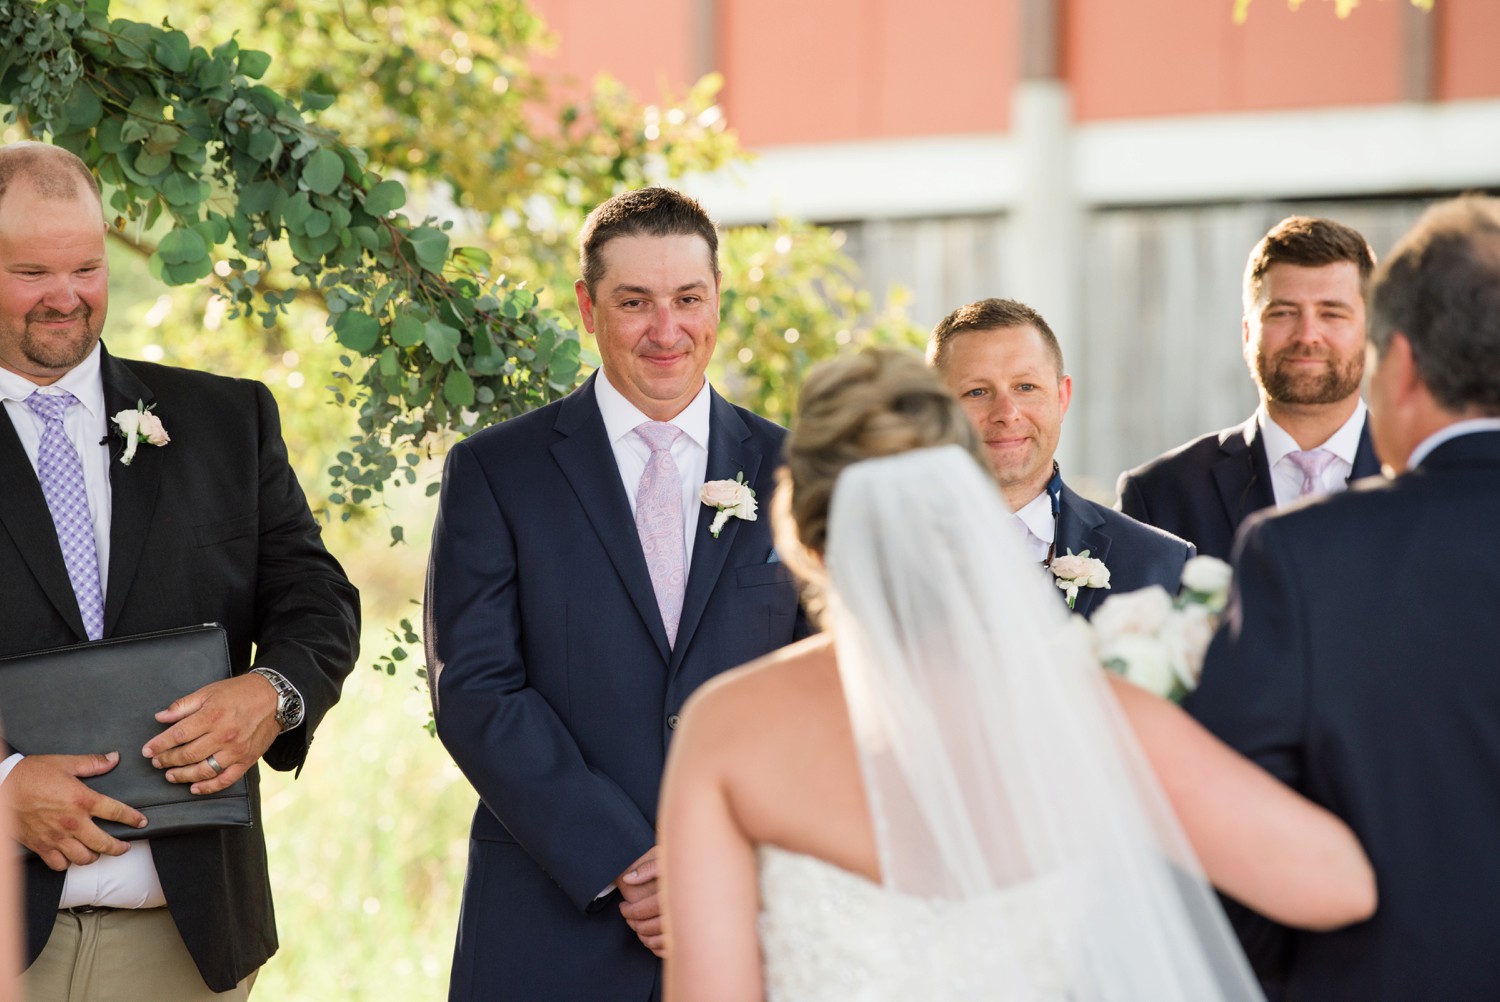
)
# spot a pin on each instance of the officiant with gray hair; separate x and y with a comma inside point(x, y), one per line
point(1005, 365)
point(137, 498)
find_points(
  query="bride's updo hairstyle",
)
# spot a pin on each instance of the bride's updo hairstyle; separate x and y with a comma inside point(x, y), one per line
point(876, 402)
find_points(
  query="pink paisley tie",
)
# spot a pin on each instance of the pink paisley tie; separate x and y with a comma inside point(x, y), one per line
point(658, 519)
point(1312, 463)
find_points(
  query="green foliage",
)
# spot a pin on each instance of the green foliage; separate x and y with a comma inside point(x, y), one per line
point(183, 137)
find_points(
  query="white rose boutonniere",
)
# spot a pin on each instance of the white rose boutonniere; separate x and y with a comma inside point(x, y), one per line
point(137, 426)
point(730, 497)
point(1156, 641)
point(1075, 571)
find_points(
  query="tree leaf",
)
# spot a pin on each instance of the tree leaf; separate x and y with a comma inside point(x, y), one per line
point(357, 331)
point(458, 388)
point(182, 246)
point(323, 171)
point(254, 63)
point(407, 331)
point(385, 198)
point(430, 247)
point(442, 340)
point(173, 51)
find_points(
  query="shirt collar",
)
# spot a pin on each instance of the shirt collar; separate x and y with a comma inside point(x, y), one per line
point(1447, 434)
point(621, 417)
point(1036, 515)
point(82, 381)
point(1343, 443)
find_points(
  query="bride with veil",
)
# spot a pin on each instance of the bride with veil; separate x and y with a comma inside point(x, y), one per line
point(942, 796)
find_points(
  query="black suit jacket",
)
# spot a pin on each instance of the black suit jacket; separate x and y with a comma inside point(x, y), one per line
point(209, 528)
point(1357, 664)
point(1203, 490)
point(1137, 555)
point(556, 691)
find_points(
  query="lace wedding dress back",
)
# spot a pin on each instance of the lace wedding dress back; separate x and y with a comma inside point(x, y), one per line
point(1026, 850)
point(828, 935)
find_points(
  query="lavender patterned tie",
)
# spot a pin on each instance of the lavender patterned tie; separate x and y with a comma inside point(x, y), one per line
point(61, 474)
point(1312, 463)
point(658, 519)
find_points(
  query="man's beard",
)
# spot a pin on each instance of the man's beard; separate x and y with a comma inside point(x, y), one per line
point(1285, 385)
point(54, 352)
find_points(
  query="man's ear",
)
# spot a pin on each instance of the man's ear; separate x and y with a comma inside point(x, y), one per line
point(1403, 380)
point(585, 305)
point(1064, 394)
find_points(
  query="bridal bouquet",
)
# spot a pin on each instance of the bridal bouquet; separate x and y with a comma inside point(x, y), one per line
point(1156, 641)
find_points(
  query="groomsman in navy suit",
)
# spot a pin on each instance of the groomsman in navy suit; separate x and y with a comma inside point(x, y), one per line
point(577, 594)
point(1357, 661)
point(1304, 340)
point(1002, 361)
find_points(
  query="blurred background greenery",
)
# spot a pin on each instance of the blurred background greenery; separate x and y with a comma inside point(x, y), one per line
point(368, 846)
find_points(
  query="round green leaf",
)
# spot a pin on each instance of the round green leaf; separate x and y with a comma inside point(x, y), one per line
point(323, 172)
point(386, 197)
point(357, 331)
point(458, 389)
point(407, 331)
point(442, 340)
point(181, 247)
point(254, 63)
point(430, 247)
point(83, 108)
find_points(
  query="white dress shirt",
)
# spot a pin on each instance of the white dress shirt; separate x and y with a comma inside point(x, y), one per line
point(1039, 527)
point(689, 452)
point(1286, 477)
point(127, 881)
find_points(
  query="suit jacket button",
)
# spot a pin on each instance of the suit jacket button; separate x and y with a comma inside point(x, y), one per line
point(672, 719)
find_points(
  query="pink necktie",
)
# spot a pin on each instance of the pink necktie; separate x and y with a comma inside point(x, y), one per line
point(658, 519)
point(1312, 463)
point(61, 475)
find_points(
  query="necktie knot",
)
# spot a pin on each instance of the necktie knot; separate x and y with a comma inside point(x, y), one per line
point(1313, 463)
point(51, 406)
point(659, 435)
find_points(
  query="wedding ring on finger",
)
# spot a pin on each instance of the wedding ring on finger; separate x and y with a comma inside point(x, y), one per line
point(213, 764)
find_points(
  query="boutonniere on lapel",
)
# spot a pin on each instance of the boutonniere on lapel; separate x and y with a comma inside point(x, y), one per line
point(729, 497)
point(137, 426)
point(1074, 571)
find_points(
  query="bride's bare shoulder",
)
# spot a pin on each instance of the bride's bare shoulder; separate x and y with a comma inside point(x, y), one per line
point(765, 689)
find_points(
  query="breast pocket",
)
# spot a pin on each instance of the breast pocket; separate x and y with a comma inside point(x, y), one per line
point(755, 575)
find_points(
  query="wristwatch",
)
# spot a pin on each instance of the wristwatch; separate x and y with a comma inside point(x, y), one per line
point(288, 699)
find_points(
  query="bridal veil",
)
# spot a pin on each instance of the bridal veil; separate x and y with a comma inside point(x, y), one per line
point(997, 764)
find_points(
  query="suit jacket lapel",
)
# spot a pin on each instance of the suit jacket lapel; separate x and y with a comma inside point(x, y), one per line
point(1365, 462)
point(1079, 528)
point(588, 461)
point(730, 453)
point(1242, 474)
point(132, 488)
point(25, 516)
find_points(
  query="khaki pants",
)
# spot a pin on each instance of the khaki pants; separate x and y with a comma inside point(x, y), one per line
point(119, 955)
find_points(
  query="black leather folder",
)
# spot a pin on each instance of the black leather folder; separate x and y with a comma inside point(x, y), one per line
point(103, 696)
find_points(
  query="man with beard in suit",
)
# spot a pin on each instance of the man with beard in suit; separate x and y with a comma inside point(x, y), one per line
point(206, 524)
point(1003, 363)
point(1356, 662)
point(1304, 340)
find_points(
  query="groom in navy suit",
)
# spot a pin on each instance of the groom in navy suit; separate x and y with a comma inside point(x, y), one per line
point(1357, 661)
point(577, 595)
point(1303, 335)
point(1002, 361)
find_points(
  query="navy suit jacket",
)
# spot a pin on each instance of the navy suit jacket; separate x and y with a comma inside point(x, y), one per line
point(211, 527)
point(1203, 490)
point(555, 689)
point(1356, 663)
point(1137, 555)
